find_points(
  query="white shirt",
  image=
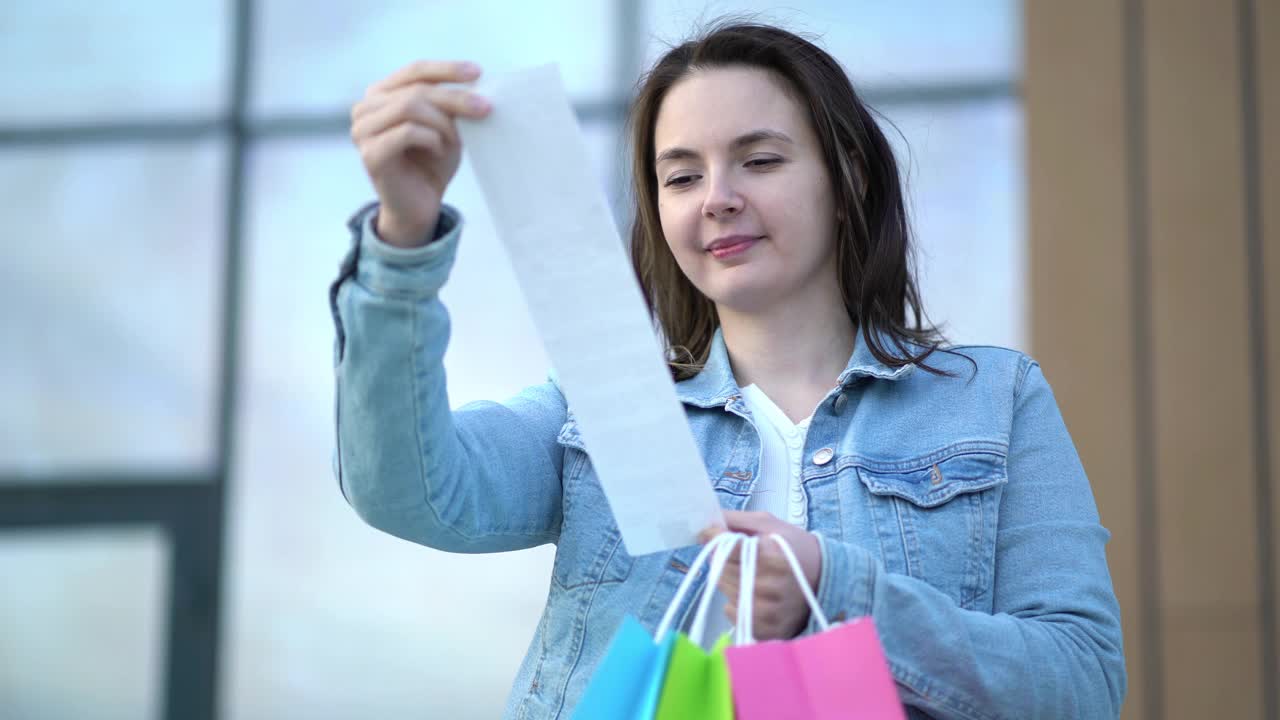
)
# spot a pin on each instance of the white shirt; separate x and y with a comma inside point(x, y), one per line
point(777, 490)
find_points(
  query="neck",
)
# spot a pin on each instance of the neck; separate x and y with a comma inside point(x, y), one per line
point(792, 351)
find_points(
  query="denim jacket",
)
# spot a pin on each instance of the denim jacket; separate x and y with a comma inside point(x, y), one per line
point(954, 511)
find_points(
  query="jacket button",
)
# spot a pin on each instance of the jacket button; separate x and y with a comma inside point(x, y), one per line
point(841, 401)
point(823, 456)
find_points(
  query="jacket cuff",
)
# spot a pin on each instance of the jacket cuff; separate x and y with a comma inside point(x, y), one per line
point(846, 586)
point(413, 273)
point(403, 272)
point(449, 221)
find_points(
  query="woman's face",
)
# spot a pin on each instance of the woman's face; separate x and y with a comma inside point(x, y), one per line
point(743, 193)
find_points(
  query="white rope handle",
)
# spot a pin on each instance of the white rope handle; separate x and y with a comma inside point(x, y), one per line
point(746, 593)
point(798, 572)
point(698, 631)
point(690, 577)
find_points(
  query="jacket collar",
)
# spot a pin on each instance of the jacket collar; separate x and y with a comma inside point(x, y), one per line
point(715, 384)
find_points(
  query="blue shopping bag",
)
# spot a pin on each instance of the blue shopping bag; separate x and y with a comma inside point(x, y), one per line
point(628, 681)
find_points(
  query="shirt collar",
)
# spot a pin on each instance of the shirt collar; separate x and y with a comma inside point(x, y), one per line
point(715, 384)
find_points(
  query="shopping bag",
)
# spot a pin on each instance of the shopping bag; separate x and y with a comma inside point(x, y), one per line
point(840, 672)
point(628, 680)
point(697, 681)
point(627, 683)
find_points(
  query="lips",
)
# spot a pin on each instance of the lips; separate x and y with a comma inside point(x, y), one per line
point(731, 245)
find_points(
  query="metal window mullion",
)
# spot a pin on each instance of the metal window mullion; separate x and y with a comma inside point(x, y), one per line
point(195, 617)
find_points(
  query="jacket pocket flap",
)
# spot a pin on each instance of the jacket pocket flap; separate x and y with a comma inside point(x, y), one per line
point(932, 484)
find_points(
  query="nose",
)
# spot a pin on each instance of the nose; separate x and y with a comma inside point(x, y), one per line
point(722, 199)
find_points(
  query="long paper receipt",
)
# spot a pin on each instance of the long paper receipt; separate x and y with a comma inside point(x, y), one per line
point(549, 209)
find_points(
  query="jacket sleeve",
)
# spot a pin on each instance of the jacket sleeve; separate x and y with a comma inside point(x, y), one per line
point(483, 478)
point(1052, 647)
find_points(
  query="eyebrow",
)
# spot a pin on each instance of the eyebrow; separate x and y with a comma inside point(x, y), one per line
point(755, 136)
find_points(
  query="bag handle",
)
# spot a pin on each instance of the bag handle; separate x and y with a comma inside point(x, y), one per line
point(690, 577)
point(802, 581)
point(698, 630)
point(746, 588)
point(747, 592)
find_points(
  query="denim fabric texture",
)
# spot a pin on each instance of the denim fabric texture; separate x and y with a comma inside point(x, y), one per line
point(955, 511)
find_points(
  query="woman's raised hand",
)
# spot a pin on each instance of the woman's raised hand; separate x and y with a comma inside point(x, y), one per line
point(405, 131)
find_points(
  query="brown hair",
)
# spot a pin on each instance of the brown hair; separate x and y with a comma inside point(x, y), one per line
point(873, 244)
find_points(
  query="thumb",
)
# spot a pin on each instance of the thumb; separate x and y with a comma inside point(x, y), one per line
point(710, 533)
point(751, 523)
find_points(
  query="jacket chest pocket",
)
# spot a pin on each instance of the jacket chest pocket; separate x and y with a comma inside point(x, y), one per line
point(590, 549)
point(936, 519)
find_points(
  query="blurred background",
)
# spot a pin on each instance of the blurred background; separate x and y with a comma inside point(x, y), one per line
point(1093, 182)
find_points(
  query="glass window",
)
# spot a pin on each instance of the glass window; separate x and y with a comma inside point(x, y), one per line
point(322, 56)
point(74, 62)
point(879, 43)
point(112, 294)
point(964, 174)
point(83, 616)
point(381, 600)
point(112, 285)
point(301, 194)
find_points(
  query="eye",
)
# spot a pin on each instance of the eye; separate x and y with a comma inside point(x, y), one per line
point(762, 162)
point(679, 181)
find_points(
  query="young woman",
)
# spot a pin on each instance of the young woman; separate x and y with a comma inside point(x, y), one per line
point(935, 489)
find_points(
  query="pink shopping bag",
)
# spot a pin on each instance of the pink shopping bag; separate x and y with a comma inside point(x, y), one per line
point(840, 672)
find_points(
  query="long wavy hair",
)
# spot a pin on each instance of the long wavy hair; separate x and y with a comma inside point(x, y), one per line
point(873, 245)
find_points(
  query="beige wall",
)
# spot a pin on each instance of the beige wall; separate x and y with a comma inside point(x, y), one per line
point(1267, 39)
point(1142, 241)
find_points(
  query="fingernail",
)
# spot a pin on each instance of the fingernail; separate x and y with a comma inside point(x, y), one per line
point(477, 103)
point(469, 70)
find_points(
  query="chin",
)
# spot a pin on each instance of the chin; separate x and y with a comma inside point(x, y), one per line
point(744, 297)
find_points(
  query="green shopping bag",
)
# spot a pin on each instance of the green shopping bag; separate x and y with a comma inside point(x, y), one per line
point(697, 681)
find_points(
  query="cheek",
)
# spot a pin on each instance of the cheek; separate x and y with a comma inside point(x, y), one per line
point(812, 211)
point(806, 225)
point(792, 219)
point(671, 234)
point(668, 228)
point(675, 225)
